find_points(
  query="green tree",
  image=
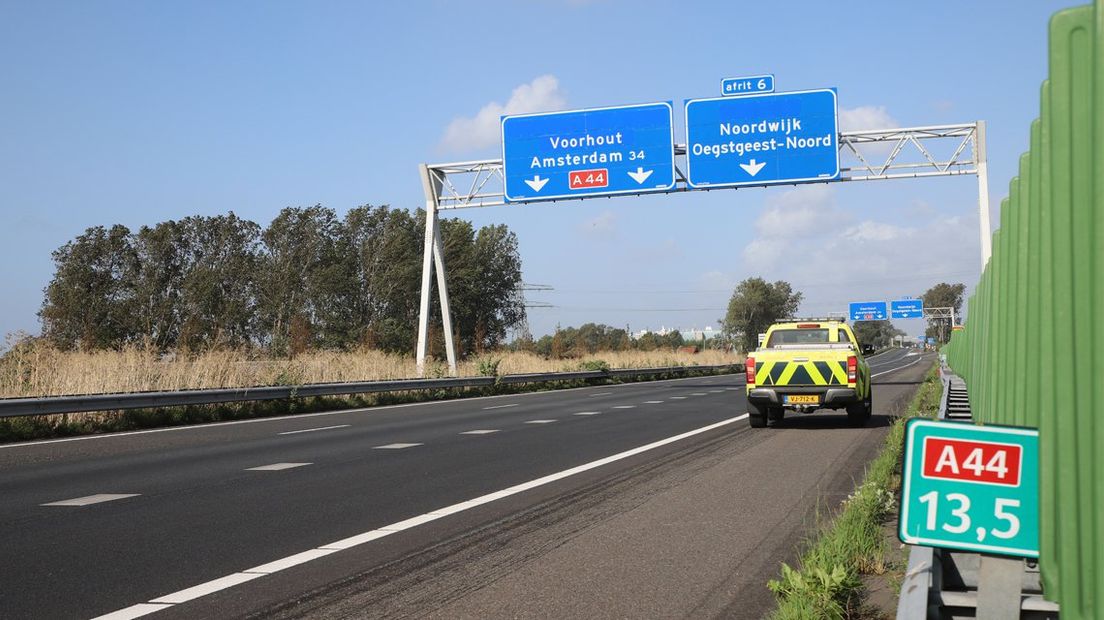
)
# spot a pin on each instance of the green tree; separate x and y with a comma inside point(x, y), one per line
point(303, 279)
point(943, 295)
point(878, 334)
point(217, 297)
point(484, 273)
point(754, 306)
point(157, 283)
point(89, 302)
point(385, 249)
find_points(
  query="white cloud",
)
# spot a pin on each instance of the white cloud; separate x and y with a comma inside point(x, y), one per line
point(603, 225)
point(875, 231)
point(866, 117)
point(543, 94)
point(797, 212)
point(805, 238)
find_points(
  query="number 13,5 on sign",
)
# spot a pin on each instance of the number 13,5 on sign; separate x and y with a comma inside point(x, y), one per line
point(970, 487)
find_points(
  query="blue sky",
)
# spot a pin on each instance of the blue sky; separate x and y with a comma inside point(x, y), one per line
point(134, 113)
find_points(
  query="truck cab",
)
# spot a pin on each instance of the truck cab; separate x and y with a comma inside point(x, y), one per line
point(805, 365)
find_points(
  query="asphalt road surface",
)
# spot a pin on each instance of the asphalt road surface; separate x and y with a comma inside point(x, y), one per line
point(644, 500)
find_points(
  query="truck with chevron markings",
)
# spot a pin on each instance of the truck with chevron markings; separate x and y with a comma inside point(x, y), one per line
point(803, 365)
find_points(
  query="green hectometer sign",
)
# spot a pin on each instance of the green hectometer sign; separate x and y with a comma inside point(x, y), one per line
point(974, 488)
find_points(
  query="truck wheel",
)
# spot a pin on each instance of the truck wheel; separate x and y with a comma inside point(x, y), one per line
point(857, 414)
point(757, 419)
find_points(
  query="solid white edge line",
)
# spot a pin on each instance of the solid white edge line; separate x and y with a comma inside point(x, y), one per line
point(208, 587)
point(311, 430)
point(302, 557)
point(304, 416)
point(500, 406)
point(884, 372)
point(134, 611)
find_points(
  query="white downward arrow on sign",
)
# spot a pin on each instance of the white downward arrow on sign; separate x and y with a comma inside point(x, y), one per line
point(640, 175)
point(751, 167)
point(536, 182)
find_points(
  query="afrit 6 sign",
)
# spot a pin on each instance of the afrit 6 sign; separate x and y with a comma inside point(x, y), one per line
point(971, 487)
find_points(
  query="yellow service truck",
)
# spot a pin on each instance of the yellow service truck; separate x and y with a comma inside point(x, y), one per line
point(804, 365)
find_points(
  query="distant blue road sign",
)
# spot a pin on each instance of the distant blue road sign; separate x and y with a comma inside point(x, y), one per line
point(868, 311)
point(762, 139)
point(907, 309)
point(597, 152)
point(931, 340)
point(747, 85)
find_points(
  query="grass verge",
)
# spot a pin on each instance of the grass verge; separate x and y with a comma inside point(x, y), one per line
point(828, 583)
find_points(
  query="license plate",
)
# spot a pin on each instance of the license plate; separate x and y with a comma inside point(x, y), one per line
point(802, 399)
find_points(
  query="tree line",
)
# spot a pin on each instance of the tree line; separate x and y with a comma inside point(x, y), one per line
point(588, 338)
point(308, 280)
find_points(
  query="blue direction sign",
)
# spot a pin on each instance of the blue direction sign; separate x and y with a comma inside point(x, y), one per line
point(906, 308)
point(747, 85)
point(868, 311)
point(762, 139)
point(596, 152)
point(970, 487)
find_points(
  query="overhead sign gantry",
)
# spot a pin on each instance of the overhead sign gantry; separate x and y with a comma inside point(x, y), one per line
point(751, 138)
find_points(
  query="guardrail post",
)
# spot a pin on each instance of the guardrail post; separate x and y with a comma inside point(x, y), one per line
point(1000, 582)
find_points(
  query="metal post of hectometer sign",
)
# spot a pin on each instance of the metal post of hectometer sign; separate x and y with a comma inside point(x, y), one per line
point(982, 166)
point(433, 254)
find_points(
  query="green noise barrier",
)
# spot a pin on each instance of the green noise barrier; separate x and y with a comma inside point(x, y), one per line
point(1032, 351)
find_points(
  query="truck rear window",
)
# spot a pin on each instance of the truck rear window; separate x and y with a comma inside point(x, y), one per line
point(783, 337)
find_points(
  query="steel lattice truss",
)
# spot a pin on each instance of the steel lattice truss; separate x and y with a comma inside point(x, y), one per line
point(911, 154)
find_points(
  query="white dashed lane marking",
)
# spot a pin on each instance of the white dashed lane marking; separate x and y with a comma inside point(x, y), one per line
point(539, 421)
point(678, 398)
point(396, 446)
point(652, 402)
point(587, 413)
point(88, 500)
point(624, 406)
point(482, 431)
point(501, 406)
point(311, 430)
point(698, 394)
point(715, 391)
point(277, 466)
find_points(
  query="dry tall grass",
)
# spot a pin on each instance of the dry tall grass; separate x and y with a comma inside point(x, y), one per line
point(40, 370)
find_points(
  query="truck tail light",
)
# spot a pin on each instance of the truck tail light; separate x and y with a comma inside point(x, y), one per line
point(749, 366)
point(852, 368)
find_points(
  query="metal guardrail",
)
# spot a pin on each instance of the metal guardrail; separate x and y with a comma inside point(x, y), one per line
point(84, 403)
